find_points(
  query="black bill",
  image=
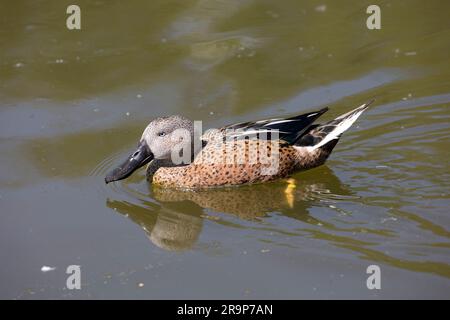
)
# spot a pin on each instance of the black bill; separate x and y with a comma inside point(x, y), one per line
point(140, 157)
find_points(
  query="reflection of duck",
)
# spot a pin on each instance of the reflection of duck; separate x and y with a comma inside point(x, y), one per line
point(241, 153)
point(175, 222)
point(251, 201)
point(245, 201)
point(169, 227)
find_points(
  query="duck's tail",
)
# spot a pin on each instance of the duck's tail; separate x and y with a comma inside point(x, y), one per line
point(326, 136)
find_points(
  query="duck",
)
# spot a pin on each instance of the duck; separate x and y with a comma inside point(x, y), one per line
point(177, 156)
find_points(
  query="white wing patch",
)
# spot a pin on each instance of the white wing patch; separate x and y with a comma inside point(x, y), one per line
point(340, 127)
point(278, 122)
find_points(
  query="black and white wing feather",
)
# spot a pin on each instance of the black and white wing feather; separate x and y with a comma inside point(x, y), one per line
point(320, 135)
point(289, 129)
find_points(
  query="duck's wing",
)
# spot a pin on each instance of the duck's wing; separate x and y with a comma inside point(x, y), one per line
point(320, 135)
point(289, 129)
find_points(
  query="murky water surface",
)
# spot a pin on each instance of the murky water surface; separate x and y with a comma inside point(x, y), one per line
point(74, 103)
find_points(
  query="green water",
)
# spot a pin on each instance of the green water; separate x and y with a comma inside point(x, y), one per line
point(74, 103)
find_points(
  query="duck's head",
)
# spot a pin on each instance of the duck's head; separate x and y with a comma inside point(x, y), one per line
point(161, 139)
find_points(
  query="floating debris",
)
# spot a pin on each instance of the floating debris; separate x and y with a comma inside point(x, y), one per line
point(140, 285)
point(265, 250)
point(19, 65)
point(59, 61)
point(47, 268)
point(321, 8)
point(127, 114)
point(139, 96)
point(410, 53)
point(388, 219)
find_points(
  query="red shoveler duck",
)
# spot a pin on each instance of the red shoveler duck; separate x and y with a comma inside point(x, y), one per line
point(242, 153)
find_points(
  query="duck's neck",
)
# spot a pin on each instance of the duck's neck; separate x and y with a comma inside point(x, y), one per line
point(155, 164)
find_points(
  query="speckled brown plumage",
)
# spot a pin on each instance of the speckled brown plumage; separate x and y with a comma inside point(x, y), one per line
point(210, 168)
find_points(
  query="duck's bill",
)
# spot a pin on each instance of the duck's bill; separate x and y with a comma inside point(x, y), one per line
point(139, 158)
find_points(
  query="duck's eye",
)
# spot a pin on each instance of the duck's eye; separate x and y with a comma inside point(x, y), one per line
point(161, 134)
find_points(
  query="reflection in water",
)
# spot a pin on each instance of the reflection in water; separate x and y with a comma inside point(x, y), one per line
point(175, 221)
point(168, 226)
point(250, 202)
point(196, 28)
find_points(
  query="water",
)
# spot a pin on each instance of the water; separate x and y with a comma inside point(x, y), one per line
point(74, 103)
